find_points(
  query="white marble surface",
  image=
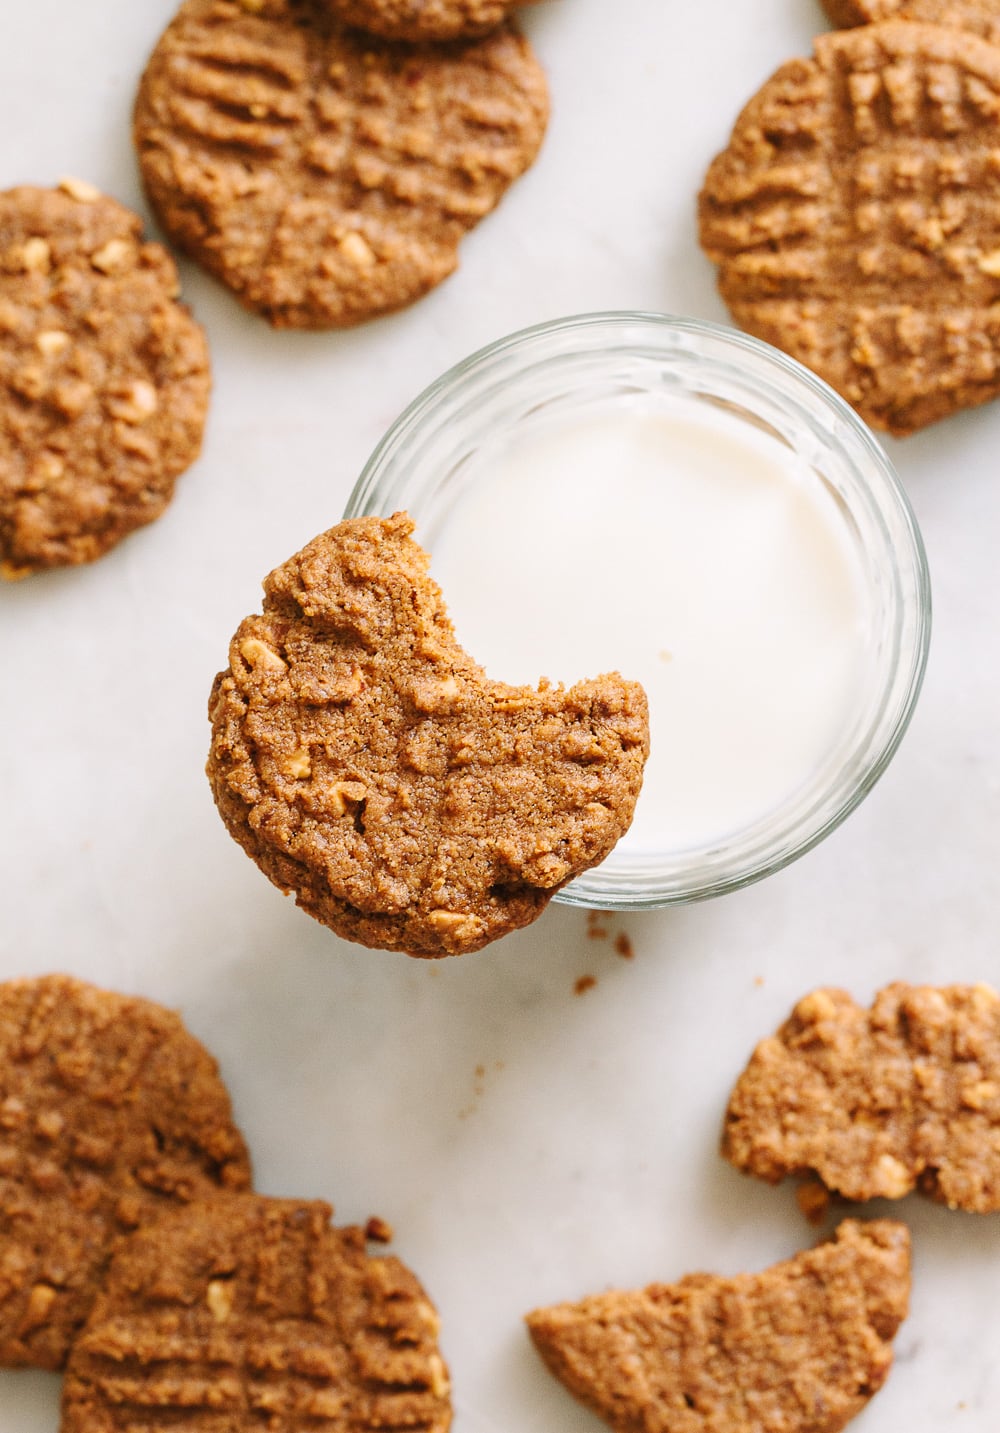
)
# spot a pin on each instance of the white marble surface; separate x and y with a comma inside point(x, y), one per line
point(527, 1143)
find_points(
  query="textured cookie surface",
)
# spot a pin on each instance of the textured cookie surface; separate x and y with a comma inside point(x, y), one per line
point(110, 1111)
point(327, 176)
point(249, 1313)
point(423, 19)
point(878, 1102)
point(801, 1346)
point(855, 218)
point(366, 763)
point(104, 377)
point(980, 16)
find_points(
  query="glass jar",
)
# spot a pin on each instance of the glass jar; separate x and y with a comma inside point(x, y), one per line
point(571, 369)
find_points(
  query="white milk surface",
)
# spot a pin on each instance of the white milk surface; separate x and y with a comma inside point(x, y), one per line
point(690, 553)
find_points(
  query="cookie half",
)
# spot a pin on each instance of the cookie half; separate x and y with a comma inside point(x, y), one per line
point(110, 1111)
point(803, 1345)
point(246, 1313)
point(324, 175)
point(367, 764)
point(878, 1102)
point(855, 219)
point(982, 17)
point(424, 19)
point(104, 377)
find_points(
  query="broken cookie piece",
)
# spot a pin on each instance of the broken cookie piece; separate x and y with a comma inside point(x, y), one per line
point(878, 1102)
point(248, 1313)
point(369, 765)
point(801, 1346)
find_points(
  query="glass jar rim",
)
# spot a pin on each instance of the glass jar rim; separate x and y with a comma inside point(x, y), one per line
point(640, 880)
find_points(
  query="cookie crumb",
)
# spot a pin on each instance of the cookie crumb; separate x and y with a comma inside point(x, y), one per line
point(379, 1230)
point(623, 946)
point(584, 983)
point(813, 1199)
point(596, 927)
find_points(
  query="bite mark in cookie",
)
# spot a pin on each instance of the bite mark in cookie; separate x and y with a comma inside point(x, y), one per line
point(246, 1313)
point(324, 175)
point(855, 219)
point(104, 377)
point(369, 765)
point(803, 1345)
point(878, 1102)
point(110, 1111)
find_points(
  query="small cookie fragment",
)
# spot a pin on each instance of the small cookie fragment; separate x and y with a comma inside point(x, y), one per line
point(982, 17)
point(110, 1111)
point(803, 1345)
point(104, 377)
point(366, 762)
point(247, 1312)
point(878, 1102)
point(855, 218)
point(424, 19)
point(323, 175)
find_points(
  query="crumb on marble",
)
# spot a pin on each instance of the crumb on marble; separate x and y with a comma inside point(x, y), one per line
point(813, 1199)
point(379, 1230)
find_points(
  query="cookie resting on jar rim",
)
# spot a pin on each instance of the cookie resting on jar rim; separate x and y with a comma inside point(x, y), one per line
point(682, 503)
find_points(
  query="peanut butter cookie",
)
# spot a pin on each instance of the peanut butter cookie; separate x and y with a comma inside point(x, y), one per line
point(878, 1102)
point(855, 218)
point(803, 1345)
point(247, 1313)
point(424, 19)
point(367, 764)
point(110, 1112)
point(326, 176)
point(980, 16)
point(104, 377)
